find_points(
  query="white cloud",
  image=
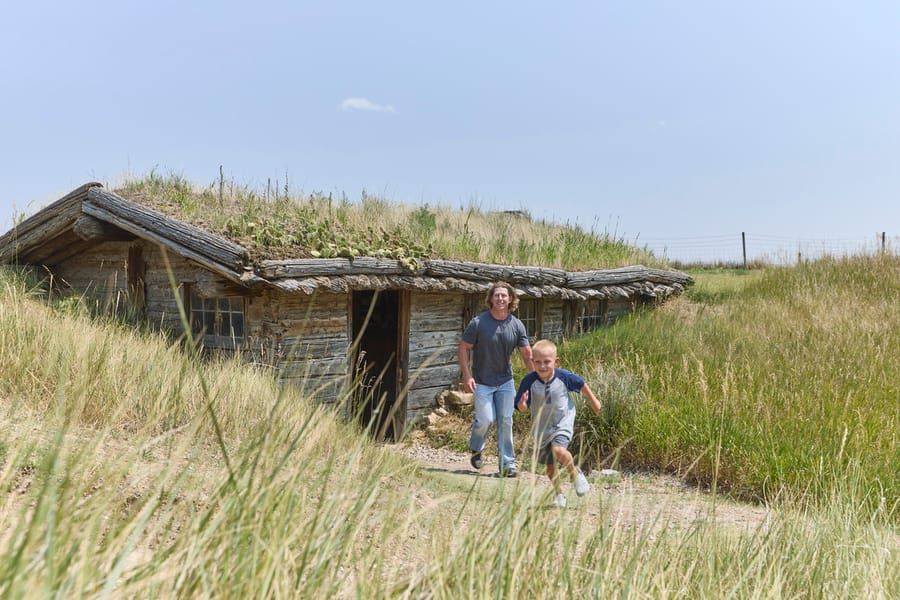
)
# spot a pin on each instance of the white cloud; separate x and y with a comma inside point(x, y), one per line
point(365, 104)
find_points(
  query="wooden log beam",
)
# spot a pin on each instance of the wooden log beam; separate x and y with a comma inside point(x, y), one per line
point(162, 227)
point(488, 272)
point(164, 242)
point(307, 267)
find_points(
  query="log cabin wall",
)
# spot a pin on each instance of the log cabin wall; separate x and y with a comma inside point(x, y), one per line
point(553, 324)
point(99, 274)
point(618, 307)
point(435, 329)
point(306, 337)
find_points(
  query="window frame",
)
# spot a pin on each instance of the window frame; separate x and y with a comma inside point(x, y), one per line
point(591, 314)
point(536, 318)
point(217, 310)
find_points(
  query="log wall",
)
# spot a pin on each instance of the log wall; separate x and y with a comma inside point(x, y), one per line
point(306, 337)
point(554, 323)
point(435, 329)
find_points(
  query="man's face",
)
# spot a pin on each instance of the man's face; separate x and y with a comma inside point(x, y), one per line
point(500, 298)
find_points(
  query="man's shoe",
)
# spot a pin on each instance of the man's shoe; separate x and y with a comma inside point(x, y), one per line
point(476, 460)
point(509, 471)
point(582, 486)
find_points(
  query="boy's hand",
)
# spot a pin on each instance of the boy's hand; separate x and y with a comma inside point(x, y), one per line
point(522, 406)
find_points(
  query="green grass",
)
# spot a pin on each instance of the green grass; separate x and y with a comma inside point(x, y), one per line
point(131, 469)
point(784, 383)
point(275, 223)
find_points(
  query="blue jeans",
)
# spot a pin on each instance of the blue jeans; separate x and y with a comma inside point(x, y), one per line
point(495, 404)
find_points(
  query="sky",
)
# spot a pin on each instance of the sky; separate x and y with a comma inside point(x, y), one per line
point(677, 126)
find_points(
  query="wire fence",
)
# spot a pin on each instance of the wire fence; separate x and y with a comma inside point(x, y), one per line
point(745, 249)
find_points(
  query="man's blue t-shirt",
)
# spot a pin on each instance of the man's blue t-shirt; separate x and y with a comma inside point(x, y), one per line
point(494, 342)
point(552, 409)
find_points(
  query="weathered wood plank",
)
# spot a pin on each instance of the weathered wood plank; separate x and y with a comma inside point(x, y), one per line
point(625, 275)
point(277, 269)
point(489, 272)
point(442, 375)
point(199, 241)
point(43, 225)
point(176, 247)
point(94, 230)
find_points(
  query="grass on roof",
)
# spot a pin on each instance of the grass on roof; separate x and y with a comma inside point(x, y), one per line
point(276, 223)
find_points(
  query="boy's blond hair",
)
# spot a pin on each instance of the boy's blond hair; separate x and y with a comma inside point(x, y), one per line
point(545, 347)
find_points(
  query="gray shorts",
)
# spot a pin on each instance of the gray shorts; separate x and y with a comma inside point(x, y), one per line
point(545, 454)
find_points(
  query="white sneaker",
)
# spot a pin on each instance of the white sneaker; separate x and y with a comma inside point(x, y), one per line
point(559, 501)
point(582, 486)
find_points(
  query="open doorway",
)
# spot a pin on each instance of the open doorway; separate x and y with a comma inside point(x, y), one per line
point(379, 326)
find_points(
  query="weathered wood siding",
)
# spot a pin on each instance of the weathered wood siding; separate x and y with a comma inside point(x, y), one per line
point(618, 307)
point(101, 274)
point(306, 337)
point(553, 325)
point(435, 328)
point(97, 274)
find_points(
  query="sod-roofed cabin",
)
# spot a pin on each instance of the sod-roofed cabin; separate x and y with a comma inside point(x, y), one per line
point(346, 329)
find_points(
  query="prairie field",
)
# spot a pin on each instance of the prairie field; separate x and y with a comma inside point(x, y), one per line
point(131, 467)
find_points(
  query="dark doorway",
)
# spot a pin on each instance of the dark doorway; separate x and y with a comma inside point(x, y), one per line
point(377, 330)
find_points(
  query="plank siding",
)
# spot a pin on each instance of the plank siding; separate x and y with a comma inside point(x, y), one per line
point(435, 328)
point(306, 337)
point(554, 322)
point(97, 274)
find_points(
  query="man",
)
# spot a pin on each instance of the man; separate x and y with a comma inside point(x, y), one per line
point(492, 336)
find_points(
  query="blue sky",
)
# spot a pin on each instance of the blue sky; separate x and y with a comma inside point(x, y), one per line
point(661, 122)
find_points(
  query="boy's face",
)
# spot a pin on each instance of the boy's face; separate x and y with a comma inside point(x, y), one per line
point(544, 363)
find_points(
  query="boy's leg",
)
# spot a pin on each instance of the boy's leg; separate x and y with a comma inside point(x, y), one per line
point(554, 478)
point(504, 401)
point(562, 454)
point(565, 458)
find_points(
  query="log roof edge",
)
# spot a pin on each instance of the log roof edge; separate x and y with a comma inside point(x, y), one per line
point(233, 261)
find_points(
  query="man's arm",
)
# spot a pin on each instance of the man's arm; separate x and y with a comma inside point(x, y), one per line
point(526, 358)
point(462, 354)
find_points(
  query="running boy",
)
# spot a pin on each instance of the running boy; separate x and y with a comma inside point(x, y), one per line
point(546, 391)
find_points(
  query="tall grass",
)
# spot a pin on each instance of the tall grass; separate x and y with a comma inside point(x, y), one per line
point(210, 481)
point(787, 384)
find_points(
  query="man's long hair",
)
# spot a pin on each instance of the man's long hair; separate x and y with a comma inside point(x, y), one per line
point(513, 297)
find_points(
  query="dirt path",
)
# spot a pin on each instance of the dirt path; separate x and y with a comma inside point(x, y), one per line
point(630, 499)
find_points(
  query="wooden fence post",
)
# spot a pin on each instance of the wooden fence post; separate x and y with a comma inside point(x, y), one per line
point(744, 246)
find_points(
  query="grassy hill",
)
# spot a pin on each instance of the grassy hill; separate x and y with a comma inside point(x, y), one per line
point(132, 469)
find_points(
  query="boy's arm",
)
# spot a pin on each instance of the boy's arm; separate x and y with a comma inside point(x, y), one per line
point(522, 396)
point(522, 404)
point(595, 402)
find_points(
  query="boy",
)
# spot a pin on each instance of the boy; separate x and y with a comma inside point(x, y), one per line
point(546, 391)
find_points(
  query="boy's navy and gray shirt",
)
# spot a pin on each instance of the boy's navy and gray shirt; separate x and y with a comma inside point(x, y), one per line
point(552, 409)
point(494, 341)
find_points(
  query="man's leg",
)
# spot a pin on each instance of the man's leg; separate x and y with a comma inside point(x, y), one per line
point(485, 416)
point(504, 400)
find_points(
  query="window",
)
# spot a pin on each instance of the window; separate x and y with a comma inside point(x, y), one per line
point(591, 314)
point(220, 320)
point(528, 314)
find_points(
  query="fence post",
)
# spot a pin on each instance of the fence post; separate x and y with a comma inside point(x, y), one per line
point(883, 242)
point(744, 247)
